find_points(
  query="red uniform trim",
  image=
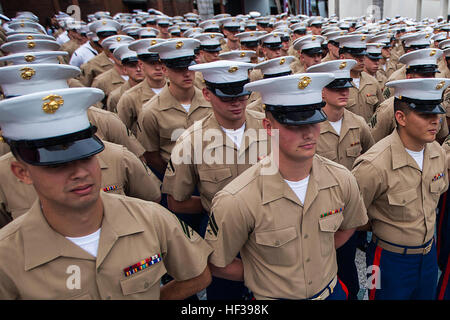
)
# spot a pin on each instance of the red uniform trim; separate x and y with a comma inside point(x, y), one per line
point(376, 262)
point(444, 281)
point(344, 287)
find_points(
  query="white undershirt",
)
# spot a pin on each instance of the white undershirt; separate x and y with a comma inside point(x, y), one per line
point(186, 107)
point(235, 135)
point(385, 66)
point(337, 126)
point(88, 243)
point(418, 156)
point(157, 90)
point(299, 188)
point(124, 77)
point(356, 82)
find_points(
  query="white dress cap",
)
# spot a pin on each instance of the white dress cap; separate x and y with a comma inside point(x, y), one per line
point(30, 46)
point(250, 36)
point(164, 20)
point(148, 32)
point(112, 42)
point(231, 22)
point(447, 52)
point(191, 32)
point(294, 90)
point(209, 39)
point(174, 30)
point(420, 88)
point(29, 36)
point(416, 39)
point(421, 57)
point(23, 79)
point(141, 46)
point(374, 49)
point(308, 42)
point(124, 54)
point(221, 16)
point(176, 48)
point(47, 114)
point(276, 65)
point(339, 68)
point(355, 41)
point(271, 39)
point(332, 35)
point(104, 25)
point(238, 55)
point(444, 44)
point(24, 27)
point(34, 57)
point(223, 71)
point(439, 36)
point(210, 24)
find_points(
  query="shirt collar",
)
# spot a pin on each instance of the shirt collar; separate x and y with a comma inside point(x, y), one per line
point(42, 244)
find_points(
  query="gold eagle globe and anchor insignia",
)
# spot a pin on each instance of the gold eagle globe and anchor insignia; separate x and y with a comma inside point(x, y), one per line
point(179, 45)
point(304, 82)
point(440, 85)
point(233, 69)
point(31, 45)
point(343, 65)
point(54, 103)
point(29, 58)
point(27, 73)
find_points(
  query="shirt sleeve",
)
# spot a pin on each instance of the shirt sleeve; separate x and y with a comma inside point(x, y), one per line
point(355, 213)
point(228, 228)
point(180, 177)
point(140, 181)
point(185, 253)
point(148, 132)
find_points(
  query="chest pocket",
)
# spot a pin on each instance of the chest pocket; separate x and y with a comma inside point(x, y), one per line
point(213, 180)
point(144, 282)
point(372, 99)
point(278, 247)
point(400, 202)
point(328, 226)
point(437, 188)
point(354, 151)
point(331, 154)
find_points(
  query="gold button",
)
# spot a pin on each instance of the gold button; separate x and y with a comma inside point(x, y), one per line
point(146, 284)
point(277, 243)
point(306, 236)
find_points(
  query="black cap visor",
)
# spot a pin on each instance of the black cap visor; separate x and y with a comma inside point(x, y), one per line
point(312, 51)
point(273, 45)
point(250, 44)
point(298, 115)
point(106, 34)
point(228, 90)
point(211, 48)
point(424, 106)
point(340, 84)
point(374, 56)
point(149, 57)
point(423, 68)
point(354, 51)
point(179, 63)
point(59, 150)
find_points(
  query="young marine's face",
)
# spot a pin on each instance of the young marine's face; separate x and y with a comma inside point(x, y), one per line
point(336, 97)
point(208, 56)
point(420, 128)
point(228, 111)
point(296, 143)
point(153, 70)
point(74, 185)
point(310, 60)
point(371, 65)
point(134, 70)
point(182, 78)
